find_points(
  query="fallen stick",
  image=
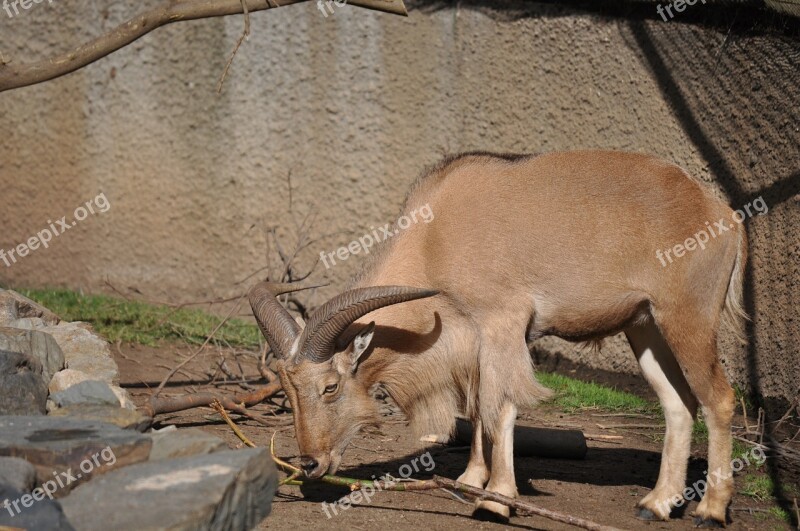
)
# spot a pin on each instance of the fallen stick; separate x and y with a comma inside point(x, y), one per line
point(529, 508)
point(224, 414)
point(237, 403)
point(630, 426)
point(436, 483)
point(624, 415)
point(787, 415)
point(607, 439)
point(259, 395)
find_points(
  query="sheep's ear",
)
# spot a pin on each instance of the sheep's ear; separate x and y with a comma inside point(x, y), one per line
point(360, 343)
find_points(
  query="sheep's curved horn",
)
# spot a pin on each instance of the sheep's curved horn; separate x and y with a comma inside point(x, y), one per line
point(328, 321)
point(277, 325)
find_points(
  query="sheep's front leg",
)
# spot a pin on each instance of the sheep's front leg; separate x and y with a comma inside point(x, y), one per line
point(502, 479)
point(477, 472)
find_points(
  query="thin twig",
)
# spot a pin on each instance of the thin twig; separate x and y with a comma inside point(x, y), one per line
point(224, 414)
point(123, 356)
point(629, 426)
point(237, 403)
point(198, 351)
point(245, 34)
point(291, 480)
point(625, 415)
point(440, 482)
point(795, 403)
point(529, 508)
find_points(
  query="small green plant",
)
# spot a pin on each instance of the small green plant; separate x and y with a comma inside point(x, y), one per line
point(742, 395)
point(780, 514)
point(573, 395)
point(138, 322)
point(699, 431)
point(758, 487)
point(740, 449)
point(774, 513)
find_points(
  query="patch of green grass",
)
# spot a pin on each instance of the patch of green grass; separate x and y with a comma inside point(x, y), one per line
point(572, 395)
point(774, 513)
point(138, 322)
point(742, 395)
point(740, 449)
point(780, 514)
point(759, 487)
point(699, 431)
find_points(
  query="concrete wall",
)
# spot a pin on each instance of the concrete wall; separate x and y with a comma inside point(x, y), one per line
point(354, 106)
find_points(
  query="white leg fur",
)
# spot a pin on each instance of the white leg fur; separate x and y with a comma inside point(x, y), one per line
point(477, 472)
point(664, 375)
point(502, 478)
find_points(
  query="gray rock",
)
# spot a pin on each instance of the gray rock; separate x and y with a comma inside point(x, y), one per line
point(70, 449)
point(86, 351)
point(86, 392)
point(36, 344)
point(17, 473)
point(27, 323)
point(65, 379)
point(184, 443)
point(23, 391)
point(224, 490)
point(14, 306)
point(41, 512)
point(126, 419)
point(123, 397)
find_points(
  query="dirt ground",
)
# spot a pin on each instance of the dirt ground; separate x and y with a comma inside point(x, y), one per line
point(604, 487)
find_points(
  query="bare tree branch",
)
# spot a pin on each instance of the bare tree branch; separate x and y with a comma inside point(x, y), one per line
point(238, 403)
point(22, 75)
point(245, 34)
point(198, 351)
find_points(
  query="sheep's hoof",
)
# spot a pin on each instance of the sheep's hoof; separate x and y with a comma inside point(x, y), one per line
point(485, 515)
point(643, 513)
point(708, 523)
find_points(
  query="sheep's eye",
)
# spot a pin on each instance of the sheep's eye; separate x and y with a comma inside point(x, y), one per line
point(330, 389)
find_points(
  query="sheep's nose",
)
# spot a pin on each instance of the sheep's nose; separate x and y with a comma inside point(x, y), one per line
point(308, 464)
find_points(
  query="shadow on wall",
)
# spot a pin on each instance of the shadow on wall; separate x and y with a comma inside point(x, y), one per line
point(752, 147)
point(718, 14)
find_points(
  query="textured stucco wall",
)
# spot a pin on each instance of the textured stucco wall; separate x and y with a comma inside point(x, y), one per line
point(354, 106)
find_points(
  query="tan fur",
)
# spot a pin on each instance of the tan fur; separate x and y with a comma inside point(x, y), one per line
point(520, 247)
point(733, 314)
